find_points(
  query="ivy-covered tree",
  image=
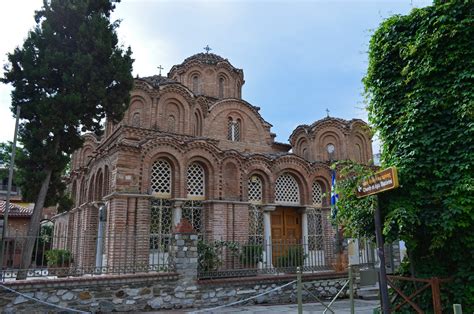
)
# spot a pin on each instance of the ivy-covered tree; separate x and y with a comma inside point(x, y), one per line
point(68, 76)
point(420, 93)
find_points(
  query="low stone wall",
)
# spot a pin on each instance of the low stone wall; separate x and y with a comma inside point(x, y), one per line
point(142, 292)
point(154, 291)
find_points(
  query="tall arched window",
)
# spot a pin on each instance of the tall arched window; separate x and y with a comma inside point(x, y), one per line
point(358, 151)
point(160, 181)
point(287, 190)
point(171, 123)
point(233, 129)
point(196, 181)
point(197, 124)
point(136, 119)
point(317, 194)
point(196, 84)
point(221, 87)
point(255, 189)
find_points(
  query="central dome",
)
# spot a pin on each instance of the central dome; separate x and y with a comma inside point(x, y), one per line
point(210, 75)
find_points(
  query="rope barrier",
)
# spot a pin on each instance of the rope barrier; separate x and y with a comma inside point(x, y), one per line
point(244, 300)
point(40, 301)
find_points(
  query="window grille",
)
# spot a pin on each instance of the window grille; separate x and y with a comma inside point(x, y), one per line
point(233, 130)
point(196, 181)
point(161, 178)
point(136, 119)
point(255, 189)
point(286, 190)
point(221, 87)
point(317, 194)
point(315, 229)
point(161, 222)
point(256, 233)
point(171, 123)
point(195, 84)
point(194, 213)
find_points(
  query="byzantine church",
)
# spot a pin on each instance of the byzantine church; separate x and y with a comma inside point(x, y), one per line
point(189, 147)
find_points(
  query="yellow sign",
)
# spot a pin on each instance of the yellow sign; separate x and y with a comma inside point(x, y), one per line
point(381, 181)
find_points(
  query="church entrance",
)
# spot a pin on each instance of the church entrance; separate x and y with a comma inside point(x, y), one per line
point(286, 237)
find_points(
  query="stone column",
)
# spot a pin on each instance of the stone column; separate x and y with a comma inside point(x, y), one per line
point(304, 231)
point(177, 212)
point(183, 252)
point(267, 229)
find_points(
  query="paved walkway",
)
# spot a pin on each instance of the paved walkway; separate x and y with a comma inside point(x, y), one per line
point(339, 307)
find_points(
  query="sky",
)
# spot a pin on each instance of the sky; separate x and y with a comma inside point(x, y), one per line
point(300, 58)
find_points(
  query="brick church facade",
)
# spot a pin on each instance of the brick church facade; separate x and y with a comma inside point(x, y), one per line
point(190, 147)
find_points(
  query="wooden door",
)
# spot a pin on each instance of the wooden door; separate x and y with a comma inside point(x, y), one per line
point(286, 230)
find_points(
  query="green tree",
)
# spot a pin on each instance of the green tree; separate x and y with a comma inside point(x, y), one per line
point(420, 93)
point(68, 76)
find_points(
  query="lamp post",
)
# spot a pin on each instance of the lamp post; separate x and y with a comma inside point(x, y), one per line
point(9, 188)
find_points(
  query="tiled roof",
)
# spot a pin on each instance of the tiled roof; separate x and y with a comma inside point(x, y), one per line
point(208, 58)
point(15, 210)
point(157, 80)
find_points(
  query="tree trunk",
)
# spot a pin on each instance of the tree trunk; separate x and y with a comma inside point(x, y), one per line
point(33, 228)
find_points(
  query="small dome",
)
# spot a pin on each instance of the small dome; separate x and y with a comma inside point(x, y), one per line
point(208, 58)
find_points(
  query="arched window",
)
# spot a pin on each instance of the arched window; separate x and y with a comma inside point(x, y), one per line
point(171, 123)
point(358, 151)
point(136, 119)
point(106, 180)
point(317, 194)
point(196, 84)
point(160, 181)
point(90, 197)
point(197, 124)
point(287, 190)
point(233, 129)
point(196, 181)
point(221, 87)
point(255, 189)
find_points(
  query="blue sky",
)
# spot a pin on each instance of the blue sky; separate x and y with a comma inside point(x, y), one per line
point(298, 57)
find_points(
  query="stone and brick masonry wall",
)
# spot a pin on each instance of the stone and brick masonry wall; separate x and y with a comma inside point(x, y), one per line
point(152, 291)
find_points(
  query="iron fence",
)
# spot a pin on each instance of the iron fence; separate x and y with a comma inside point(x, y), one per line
point(220, 259)
point(55, 256)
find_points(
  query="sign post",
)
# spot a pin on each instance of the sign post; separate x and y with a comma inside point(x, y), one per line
point(382, 181)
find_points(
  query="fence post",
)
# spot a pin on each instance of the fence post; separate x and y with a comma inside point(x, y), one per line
point(183, 251)
point(457, 309)
point(436, 295)
point(351, 289)
point(299, 290)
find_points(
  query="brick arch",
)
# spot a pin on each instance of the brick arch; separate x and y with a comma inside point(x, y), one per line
point(267, 182)
point(204, 159)
point(172, 156)
point(195, 86)
point(365, 150)
point(303, 148)
point(91, 189)
point(298, 174)
point(253, 128)
point(173, 105)
point(328, 136)
point(99, 185)
point(325, 184)
point(82, 192)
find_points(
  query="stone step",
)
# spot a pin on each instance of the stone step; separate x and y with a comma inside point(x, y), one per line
point(368, 292)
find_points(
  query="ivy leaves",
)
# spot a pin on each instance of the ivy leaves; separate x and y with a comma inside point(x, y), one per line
point(420, 94)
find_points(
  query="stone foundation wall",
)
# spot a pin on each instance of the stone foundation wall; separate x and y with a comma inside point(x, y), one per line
point(149, 292)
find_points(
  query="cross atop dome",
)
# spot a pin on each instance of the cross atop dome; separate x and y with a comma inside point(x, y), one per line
point(207, 48)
